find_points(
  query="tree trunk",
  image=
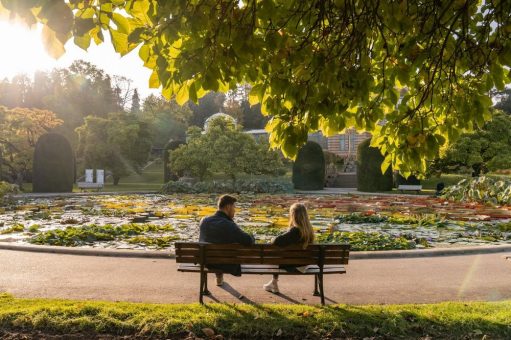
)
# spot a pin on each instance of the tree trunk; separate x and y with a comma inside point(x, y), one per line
point(116, 180)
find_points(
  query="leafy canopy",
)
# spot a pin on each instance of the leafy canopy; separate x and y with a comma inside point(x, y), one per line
point(119, 143)
point(486, 149)
point(316, 64)
point(20, 129)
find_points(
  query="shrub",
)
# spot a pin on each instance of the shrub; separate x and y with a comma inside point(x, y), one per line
point(54, 164)
point(224, 149)
point(7, 189)
point(257, 186)
point(482, 189)
point(168, 175)
point(369, 176)
point(309, 168)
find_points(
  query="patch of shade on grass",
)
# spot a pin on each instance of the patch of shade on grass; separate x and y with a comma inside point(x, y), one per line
point(473, 320)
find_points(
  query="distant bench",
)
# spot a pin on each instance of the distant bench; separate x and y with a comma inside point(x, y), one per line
point(89, 180)
point(263, 259)
point(406, 187)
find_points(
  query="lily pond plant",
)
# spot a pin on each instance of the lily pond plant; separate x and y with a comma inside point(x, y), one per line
point(157, 221)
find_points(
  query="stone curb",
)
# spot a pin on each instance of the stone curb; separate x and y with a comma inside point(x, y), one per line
point(88, 251)
point(359, 255)
point(358, 193)
point(402, 254)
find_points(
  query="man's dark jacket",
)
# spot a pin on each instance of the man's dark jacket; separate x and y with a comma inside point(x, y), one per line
point(220, 228)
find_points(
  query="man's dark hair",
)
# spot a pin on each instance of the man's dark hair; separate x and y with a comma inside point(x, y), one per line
point(226, 200)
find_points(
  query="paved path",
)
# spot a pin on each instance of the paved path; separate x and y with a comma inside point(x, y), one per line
point(415, 280)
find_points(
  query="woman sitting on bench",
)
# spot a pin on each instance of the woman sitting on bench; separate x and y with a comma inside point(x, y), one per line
point(299, 233)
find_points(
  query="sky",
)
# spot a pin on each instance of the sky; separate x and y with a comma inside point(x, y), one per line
point(22, 51)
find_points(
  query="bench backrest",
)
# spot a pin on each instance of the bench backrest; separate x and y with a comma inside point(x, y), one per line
point(409, 187)
point(100, 176)
point(89, 176)
point(207, 253)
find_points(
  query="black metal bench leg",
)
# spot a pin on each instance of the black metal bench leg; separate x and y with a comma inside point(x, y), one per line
point(316, 291)
point(206, 291)
point(201, 289)
point(321, 291)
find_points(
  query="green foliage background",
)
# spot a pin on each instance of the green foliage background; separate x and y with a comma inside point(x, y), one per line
point(224, 149)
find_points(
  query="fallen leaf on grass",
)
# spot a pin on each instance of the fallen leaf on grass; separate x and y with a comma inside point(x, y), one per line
point(208, 332)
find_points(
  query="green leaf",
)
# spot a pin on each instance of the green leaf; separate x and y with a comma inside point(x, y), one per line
point(52, 45)
point(123, 26)
point(183, 94)
point(386, 163)
point(97, 35)
point(254, 96)
point(83, 42)
point(120, 41)
point(83, 26)
point(144, 52)
point(58, 15)
point(193, 93)
point(154, 81)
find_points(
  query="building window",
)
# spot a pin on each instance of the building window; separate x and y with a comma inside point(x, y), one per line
point(342, 141)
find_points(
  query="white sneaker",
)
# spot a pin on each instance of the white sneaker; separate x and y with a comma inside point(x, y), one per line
point(272, 286)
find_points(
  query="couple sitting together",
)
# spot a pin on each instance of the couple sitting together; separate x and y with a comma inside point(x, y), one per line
point(220, 228)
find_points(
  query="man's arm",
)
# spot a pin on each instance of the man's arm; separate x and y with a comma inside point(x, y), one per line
point(239, 236)
point(202, 231)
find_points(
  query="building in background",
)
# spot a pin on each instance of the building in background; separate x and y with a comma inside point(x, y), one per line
point(343, 144)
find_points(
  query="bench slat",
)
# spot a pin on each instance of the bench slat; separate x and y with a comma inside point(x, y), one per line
point(282, 253)
point(269, 247)
point(259, 260)
point(262, 269)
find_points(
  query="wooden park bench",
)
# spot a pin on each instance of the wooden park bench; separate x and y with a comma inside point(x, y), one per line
point(405, 187)
point(263, 259)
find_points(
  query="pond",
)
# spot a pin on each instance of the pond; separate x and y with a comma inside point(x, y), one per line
point(157, 221)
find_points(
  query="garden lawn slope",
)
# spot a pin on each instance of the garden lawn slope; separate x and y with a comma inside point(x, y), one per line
point(29, 317)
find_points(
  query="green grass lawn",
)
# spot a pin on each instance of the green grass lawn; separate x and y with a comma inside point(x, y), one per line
point(447, 179)
point(473, 320)
point(151, 179)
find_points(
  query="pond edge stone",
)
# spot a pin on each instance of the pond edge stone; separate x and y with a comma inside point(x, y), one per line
point(359, 255)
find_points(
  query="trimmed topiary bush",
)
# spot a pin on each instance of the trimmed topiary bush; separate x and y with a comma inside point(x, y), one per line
point(54, 164)
point(168, 175)
point(309, 168)
point(369, 176)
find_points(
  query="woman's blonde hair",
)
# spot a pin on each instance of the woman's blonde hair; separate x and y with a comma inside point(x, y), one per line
point(299, 218)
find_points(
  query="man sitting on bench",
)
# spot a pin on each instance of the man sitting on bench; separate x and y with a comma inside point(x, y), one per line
point(220, 228)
